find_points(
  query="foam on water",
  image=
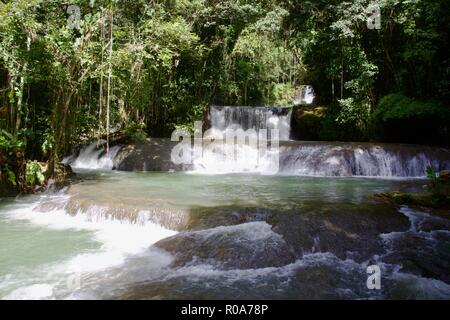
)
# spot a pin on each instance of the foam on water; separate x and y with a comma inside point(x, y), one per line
point(118, 240)
point(304, 158)
point(32, 292)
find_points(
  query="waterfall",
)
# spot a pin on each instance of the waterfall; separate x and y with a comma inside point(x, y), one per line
point(360, 159)
point(256, 118)
point(306, 96)
point(284, 157)
point(332, 160)
point(309, 158)
point(93, 157)
point(249, 156)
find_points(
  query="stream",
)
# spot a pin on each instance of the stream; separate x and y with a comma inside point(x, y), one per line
point(135, 226)
point(115, 235)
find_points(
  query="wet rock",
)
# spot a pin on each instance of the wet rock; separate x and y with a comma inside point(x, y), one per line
point(151, 155)
point(421, 255)
point(434, 223)
point(204, 217)
point(345, 230)
point(52, 205)
point(324, 276)
point(243, 246)
point(169, 218)
point(406, 286)
point(62, 176)
point(439, 204)
point(307, 122)
point(98, 204)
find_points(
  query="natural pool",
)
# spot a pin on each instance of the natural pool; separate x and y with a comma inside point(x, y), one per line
point(180, 235)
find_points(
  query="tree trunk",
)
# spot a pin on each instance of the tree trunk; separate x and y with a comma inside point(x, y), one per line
point(109, 81)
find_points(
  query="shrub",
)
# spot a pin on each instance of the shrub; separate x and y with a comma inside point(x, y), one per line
point(7, 141)
point(33, 173)
point(402, 119)
point(136, 132)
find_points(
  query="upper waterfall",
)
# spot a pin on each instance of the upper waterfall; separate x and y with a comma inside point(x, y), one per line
point(93, 156)
point(256, 118)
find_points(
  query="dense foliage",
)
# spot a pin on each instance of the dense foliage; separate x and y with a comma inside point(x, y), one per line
point(145, 67)
point(400, 118)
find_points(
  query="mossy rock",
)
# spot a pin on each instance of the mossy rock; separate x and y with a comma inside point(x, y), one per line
point(62, 175)
point(307, 122)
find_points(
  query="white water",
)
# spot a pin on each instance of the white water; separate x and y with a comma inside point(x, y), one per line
point(223, 157)
point(325, 159)
point(306, 96)
point(248, 157)
point(48, 252)
point(103, 244)
point(345, 160)
point(306, 158)
point(93, 157)
point(257, 118)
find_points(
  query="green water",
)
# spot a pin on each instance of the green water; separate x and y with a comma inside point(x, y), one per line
point(188, 190)
point(30, 246)
point(327, 225)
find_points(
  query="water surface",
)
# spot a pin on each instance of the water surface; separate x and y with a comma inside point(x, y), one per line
point(230, 236)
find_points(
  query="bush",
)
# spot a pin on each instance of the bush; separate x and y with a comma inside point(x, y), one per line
point(402, 119)
point(332, 129)
point(135, 132)
point(33, 173)
point(439, 182)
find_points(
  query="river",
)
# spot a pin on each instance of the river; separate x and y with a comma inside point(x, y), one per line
point(213, 230)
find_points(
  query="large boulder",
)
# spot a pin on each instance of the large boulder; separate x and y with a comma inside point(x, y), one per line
point(244, 246)
point(306, 122)
point(151, 155)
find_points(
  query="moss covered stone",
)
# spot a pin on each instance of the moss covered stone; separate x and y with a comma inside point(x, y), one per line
point(307, 122)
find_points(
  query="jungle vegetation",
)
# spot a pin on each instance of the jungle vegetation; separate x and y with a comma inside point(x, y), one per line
point(79, 70)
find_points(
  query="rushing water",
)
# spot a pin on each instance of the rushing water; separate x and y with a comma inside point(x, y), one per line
point(307, 230)
point(306, 96)
point(256, 118)
point(253, 154)
point(299, 158)
point(177, 235)
point(93, 156)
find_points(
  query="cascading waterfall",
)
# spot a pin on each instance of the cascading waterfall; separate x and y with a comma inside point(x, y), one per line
point(92, 244)
point(361, 159)
point(239, 239)
point(94, 157)
point(246, 157)
point(306, 96)
point(285, 157)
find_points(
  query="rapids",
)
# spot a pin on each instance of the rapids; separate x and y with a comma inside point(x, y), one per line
point(176, 235)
